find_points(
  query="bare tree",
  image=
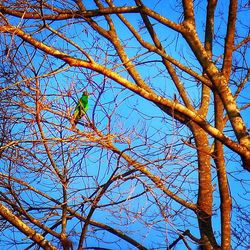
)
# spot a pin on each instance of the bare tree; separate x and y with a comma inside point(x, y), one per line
point(155, 161)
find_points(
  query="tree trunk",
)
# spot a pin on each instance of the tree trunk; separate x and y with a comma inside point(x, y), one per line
point(205, 193)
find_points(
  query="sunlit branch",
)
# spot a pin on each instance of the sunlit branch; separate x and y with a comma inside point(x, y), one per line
point(229, 41)
point(73, 212)
point(63, 15)
point(124, 82)
point(31, 233)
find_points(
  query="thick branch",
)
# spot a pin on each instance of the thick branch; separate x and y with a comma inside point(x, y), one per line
point(188, 9)
point(31, 233)
point(110, 229)
point(170, 69)
point(158, 100)
point(63, 15)
point(209, 34)
point(220, 83)
point(224, 189)
point(229, 41)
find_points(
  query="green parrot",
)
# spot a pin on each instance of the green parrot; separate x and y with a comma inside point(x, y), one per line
point(81, 107)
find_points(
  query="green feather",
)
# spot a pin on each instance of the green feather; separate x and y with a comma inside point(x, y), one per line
point(81, 107)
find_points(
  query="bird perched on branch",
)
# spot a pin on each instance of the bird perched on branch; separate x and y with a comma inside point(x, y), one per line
point(81, 107)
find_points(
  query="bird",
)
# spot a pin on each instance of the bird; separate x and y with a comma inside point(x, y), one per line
point(81, 107)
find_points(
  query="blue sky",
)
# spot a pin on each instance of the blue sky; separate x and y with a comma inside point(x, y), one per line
point(137, 119)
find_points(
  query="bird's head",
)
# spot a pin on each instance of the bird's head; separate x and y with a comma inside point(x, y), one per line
point(85, 92)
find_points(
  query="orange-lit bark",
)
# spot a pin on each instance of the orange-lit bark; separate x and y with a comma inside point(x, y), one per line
point(173, 154)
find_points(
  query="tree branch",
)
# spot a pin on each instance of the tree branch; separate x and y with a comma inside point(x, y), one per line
point(63, 15)
point(219, 82)
point(229, 41)
point(31, 233)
